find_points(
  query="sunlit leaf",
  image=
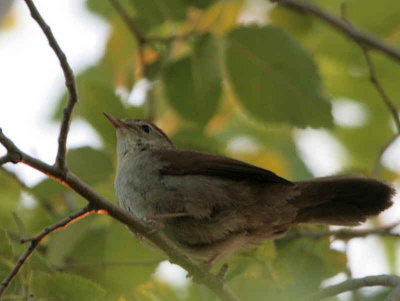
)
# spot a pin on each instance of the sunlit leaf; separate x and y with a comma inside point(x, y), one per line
point(275, 79)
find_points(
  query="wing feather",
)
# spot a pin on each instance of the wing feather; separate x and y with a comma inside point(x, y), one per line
point(183, 162)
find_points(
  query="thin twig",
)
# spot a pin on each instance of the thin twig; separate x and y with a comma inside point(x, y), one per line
point(34, 242)
point(99, 202)
point(345, 234)
point(351, 32)
point(353, 284)
point(121, 263)
point(378, 86)
point(372, 73)
point(69, 82)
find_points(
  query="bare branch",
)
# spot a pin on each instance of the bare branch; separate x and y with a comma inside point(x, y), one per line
point(101, 204)
point(345, 234)
point(353, 284)
point(34, 242)
point(351, 32)
point(103, 264)
point(69, 82)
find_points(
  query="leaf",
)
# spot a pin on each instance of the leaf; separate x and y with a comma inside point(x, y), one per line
point(150, 13)
point(274, 78)
point(104, 8)
point(48, 189)
point(10, 193)
point(90, 164)
point(39, 263)
point(66, 287)
point(6, 254)
point(200, 3)
point(193, 83)
point(193, 138)
point(63, 242)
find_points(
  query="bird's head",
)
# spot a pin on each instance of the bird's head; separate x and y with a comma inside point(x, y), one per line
point(137, 135)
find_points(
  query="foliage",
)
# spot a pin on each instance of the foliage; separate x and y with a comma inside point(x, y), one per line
point(214, 80)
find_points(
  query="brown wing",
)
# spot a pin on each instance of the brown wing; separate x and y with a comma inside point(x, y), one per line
point(181, 162)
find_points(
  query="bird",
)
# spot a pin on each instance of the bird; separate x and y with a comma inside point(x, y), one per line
point(213, 206)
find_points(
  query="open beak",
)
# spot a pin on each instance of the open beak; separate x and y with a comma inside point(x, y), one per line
point(114, 121)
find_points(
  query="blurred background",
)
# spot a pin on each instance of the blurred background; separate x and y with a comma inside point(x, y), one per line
point(202, 87)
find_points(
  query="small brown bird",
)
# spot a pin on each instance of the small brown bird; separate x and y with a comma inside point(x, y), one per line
point(212, 206)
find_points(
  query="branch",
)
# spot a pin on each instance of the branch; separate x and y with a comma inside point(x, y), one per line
point(372, 74)
point(356, 283)
point(69, 82)
point(378, 86)
point(345, 234)
point(100, 203)
point(121, 263)
point(34, 242)
point(4, 159)
point(350, 31)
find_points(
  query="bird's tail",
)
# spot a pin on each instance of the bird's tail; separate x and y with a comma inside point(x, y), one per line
point(341, 200)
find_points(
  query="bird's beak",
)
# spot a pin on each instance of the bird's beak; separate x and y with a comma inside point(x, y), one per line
point(114, 121)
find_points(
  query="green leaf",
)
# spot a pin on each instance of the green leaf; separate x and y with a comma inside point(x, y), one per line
point(40, 263)
point(10, 193)
point(63, 242)
point(48, 189)
point(200, 3)
point(193, 83)
point(90, 164)
point(6, 254)
point(274, 78)
point(66, 287)
point(104, 8)
point(193, 138)
point(151, 13)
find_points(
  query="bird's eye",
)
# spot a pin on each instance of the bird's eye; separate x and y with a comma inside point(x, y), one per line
point(145, 128)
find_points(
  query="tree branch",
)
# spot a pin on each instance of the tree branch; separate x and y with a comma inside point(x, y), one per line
point(351, 32)
point(100, 203)
point(34, 242)
point(60, 162)
point(356, 283)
